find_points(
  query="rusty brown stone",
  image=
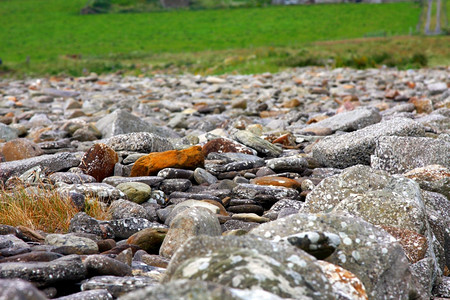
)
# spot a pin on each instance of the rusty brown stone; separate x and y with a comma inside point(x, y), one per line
point(222, 145)
point(155, 260)
point(99, 161)
point(222, 210)
point(277, 181)
point(152, 163)
point(422, 105)
point(18, 149)
point(414, 244)
point(149, 239)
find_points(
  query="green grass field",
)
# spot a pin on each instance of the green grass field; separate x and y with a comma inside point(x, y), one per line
point(56, 38)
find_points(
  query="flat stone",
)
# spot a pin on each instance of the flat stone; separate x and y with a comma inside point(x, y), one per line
point(100, 294)
point(173, 173)
point(68, 268)
point(70, 178)
point(19, 289)
point(151, 164)
point(103, 191)
point(81, 244)
point(124, 228)
point(434, 178)
point(152, 181)
point(356, 147)
point(202, 176)
point(222, 145)
point(277, 181)
point(51, 163)
point(250, 217)
point(249, 191)
point(117, 286)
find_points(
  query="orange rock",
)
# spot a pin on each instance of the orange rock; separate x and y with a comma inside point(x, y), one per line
point(222, 210)
point(271, 113)
point(291, 103)
point(277, 181)
point(422, 105)
point(317, 119)
point(414, 244)
point(20, 149)
point(99, 161)
point(391, 94)
point(150, 164)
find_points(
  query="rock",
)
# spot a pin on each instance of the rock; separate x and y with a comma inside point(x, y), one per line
point(414, 244)
point(401, 154)
point(434, 178)
point(443, 289)
point(250, 263)
point(172, 173)
point(70, 178)
point(99, 161)
point(83, 223)
point(68, 268)
point(277, 181)
point(154, 162)
point(124, 228)
point(356, 147)
point(373, 195)
point(152, 181)
point(149, 239)
point(370, 253)
point(193, 222)
point(104, 192)
point(60, 93)
point(287, 164)
point(250, 217)
point(122, 122)
point(196, 289)
point(104, 265)
point(344, 283)
point(202, 176)
point(18, 149)
point(250, 191)
point(7, 133)
point(169, 186)
point(99, 294)
point(122, 209)
point(349, 120)
point(19, 289)
point(262, 146)
point(80, 244)
point(139, 142)
point(51, 163)
point(136, 192)
point(318, 244)
point(117, 286)
point(221, 145)
point(437, 88)
point(422, 105)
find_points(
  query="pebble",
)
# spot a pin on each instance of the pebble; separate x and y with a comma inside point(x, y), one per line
point(272, 155)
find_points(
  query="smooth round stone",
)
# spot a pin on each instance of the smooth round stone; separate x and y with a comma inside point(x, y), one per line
point(247, 208)
point(104, 265)
point(121, 209)
point(136, 192)
point(250, 217)
point(277, 181)
point(202, 176)
point(149, 239)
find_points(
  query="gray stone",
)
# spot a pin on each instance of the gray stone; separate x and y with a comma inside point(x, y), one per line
point(83, 223)
point(202, 176)
point(81, 244)
point(437, 88)
point(250, 263)
point(104, 265)
point(396, 154)
point(184, 289)
point(443, 289)
point(193, 221)
point(169, 186)
point(104, 192)
point(136, 192)
point(356, 147)
point(122, 122)
point(253, 141)
point(370, 253)
point(117, 286)
point(100, 294)
point(287, 164)
point(60, 93)
point(152, 181)
point(68, 268)
point(348, 120)
point(70, 178)
point(50, 163)
point(122, 209)
point(172, 173)
point(18, 289)
point(139, 142)
point(124, 228)
point(249, 191)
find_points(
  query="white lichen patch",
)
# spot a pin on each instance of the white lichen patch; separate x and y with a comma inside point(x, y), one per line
point(194, 266)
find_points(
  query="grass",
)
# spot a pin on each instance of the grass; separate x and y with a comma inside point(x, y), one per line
point(42, 209)
point(42, 37)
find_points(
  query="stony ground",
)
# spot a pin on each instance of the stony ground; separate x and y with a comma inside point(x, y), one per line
point(307, 184)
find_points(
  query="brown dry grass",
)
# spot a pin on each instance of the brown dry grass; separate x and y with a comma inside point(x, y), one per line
point(40, 208)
